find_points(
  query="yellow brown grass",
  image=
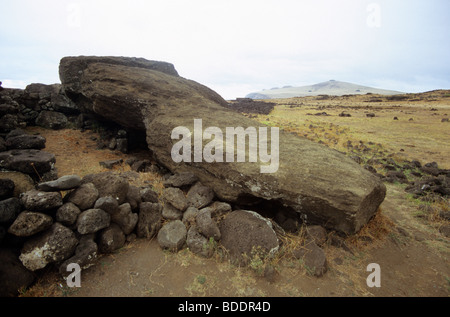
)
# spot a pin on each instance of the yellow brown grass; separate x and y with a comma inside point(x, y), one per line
point(373, 233)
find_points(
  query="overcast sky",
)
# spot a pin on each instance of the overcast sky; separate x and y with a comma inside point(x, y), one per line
point(237, 47)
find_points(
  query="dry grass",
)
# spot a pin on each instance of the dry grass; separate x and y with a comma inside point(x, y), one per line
point(75, 151)
point(290, 242)
point(438, 206)
point(48, 284)
point(373, 233)
point(432, 209)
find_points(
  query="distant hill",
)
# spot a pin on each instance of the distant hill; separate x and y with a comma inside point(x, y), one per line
point(332, 87)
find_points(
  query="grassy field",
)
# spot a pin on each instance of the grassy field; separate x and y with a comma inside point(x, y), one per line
point(418, 134)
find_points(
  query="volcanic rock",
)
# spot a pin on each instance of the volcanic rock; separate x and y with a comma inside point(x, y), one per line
point(150, 219)
point(246, 234)
point(52, 245)
point(30, 223)
point(63, 183)
point(109, 184)
point(172, 235)
point(35, 200)
point(27, 161)
point(52, 120)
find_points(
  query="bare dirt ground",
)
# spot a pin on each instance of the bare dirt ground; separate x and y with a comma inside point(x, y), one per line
point(411, 252)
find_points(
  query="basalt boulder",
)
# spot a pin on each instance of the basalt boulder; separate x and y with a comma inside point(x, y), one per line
point(53, 245)
point(26, 141)
point(109, 184)
point(65, 182)
point(321, 184)
point(246, 234)
point(52, 120)
point(28, 161)
point(30, 223)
